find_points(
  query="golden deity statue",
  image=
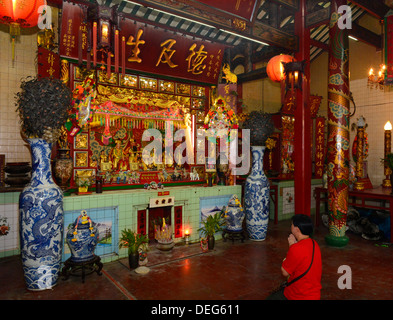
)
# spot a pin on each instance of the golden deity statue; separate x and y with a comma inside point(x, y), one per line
point(117, 154)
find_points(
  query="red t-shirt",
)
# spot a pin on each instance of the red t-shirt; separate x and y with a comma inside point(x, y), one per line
point(297, 261)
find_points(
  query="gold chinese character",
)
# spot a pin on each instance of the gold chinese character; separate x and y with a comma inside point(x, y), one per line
point(51, 71)
point(135, 52)
point(51, 59)
point(195, 60)
point(167, 53)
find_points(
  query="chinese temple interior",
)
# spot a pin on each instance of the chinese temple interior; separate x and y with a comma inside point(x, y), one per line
point(158, 150)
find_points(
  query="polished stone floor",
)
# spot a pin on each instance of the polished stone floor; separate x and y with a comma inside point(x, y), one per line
point(232, 271)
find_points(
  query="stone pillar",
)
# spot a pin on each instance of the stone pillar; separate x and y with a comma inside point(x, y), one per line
point(338, 129)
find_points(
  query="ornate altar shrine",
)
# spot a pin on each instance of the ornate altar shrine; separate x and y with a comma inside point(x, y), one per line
point(107, 130)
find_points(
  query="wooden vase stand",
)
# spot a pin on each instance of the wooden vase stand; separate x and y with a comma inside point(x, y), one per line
point(233, 235)
point(81, 269)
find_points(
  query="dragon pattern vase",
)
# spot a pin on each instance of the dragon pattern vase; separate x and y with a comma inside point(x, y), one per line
point(41, 221)
point(256, 197)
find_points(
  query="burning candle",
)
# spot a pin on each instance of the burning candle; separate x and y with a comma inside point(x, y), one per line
point(187, 235)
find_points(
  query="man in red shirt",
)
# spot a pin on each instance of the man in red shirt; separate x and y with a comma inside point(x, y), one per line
point(298, 260)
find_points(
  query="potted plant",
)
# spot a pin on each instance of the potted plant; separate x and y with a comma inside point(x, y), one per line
point(257, 187)
point(43, 106)
point(210, 226)
point(83, 184)
point(132, 240)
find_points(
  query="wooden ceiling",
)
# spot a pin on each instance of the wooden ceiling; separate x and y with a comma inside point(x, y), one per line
point(254, 30)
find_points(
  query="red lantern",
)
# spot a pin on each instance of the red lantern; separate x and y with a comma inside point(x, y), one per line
point(22, 12)
point(275, 68)
point(19, 13)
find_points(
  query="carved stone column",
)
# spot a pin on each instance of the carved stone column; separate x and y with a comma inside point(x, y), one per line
point(338, 129)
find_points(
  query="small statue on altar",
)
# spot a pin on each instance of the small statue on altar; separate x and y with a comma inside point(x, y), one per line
point(176, 175)
point(123, 164)
point(108, 177)
point(105, 163)
point(194, 174)
point(117, 155)
point(122, 177)
point(184, 174)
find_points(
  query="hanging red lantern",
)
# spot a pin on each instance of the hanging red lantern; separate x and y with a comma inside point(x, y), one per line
point(22, 12)
point(275, 68)
point(19, 13)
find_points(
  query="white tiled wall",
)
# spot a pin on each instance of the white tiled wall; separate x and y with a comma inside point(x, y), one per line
point(376, 106)
point(11, 143)
point(9, 223)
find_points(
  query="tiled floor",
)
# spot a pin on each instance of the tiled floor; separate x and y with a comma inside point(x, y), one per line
point(232, 271)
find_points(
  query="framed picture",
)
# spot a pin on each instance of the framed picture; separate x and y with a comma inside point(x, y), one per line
point(84, 173)
point(80, 159)
point(81, 141)
point(197, 172)
point(210, 167)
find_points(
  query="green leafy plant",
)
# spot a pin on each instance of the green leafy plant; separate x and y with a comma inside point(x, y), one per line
point(212, 224)
point(83, 182)
point(132, 240)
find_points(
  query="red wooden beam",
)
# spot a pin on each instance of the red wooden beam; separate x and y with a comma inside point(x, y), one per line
point(302, 141)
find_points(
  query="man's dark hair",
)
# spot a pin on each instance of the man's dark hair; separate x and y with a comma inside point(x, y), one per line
point(304, 223)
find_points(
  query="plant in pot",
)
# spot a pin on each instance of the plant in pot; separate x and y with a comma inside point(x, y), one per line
point(257, 187)
point(132, 240)
point(43, 106)
point(212, 224)
point(83, 184)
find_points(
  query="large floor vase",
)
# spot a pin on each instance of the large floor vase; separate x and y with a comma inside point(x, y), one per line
point(41, 221)
point(257, 191)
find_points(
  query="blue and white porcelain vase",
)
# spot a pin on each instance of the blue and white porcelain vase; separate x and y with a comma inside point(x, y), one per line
point(256, 197)
point(234, 215)
point(82, 238)
point(41, 221)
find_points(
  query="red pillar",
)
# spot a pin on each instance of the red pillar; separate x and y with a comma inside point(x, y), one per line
point(302, 141)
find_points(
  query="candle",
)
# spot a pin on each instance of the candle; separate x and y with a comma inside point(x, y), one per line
point(187, 235)
point(108, 65)
point(123, 55)
point(388, 146)
point(116, 51)
point(94, 43)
